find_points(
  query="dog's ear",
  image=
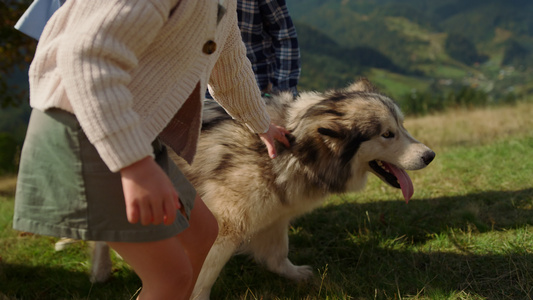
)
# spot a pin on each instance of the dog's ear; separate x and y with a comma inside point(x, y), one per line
point(330, 132)
point(362, 85)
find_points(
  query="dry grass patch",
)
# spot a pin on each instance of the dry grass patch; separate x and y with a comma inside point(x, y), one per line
point(8, 185)
point(463, 127)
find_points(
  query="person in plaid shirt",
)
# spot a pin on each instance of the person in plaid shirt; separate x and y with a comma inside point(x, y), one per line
point(271, 43)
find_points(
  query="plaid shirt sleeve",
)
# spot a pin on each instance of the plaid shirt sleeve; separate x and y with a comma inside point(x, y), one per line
point(271, 43)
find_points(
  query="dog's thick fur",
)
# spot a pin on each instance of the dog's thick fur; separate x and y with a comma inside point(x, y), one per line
point(337, 138)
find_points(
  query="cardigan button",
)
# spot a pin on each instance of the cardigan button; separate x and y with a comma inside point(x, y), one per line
point(209, 47)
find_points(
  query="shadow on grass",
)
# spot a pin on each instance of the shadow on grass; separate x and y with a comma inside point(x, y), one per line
point(45, 282)
point(476, 245)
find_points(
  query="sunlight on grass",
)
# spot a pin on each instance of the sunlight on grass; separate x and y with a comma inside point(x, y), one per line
point(466, 234)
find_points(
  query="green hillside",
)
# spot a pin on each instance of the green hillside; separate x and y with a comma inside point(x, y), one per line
point(427, 54)
point(418, 45)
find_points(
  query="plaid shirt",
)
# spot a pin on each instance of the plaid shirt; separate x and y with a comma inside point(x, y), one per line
point(271, 43)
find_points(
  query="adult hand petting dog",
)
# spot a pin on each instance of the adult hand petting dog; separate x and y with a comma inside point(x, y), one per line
point(274, 132)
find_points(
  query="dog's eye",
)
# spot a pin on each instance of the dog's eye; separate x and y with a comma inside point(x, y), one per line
point(388, 135)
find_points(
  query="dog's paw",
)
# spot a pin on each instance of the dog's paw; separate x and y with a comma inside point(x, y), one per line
point(301, 273)
point(296, 273)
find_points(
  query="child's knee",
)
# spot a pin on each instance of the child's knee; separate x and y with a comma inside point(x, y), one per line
point(177, 275)
point(175, 284)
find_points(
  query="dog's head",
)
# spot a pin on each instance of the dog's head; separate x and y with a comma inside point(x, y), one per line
point(345, 134)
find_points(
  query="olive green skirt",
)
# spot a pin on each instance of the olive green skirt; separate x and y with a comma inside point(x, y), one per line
point(64, 188)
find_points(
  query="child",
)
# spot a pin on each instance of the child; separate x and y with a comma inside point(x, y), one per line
point(111, 82)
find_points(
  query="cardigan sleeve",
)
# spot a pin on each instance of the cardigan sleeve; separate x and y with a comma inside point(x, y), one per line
point(233, 82)
point(100, 46)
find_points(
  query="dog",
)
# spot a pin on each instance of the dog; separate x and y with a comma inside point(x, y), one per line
point(337, 138)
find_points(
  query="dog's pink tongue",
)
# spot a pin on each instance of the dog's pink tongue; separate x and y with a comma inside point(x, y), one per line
point(405, 181)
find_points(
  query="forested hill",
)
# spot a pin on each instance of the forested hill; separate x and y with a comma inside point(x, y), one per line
point(417, 44)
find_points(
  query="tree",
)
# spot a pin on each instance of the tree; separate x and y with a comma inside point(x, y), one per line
point(16, 52)
point(462, 49)
point(516, 54)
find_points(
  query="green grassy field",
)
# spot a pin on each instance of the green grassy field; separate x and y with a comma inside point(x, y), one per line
point(466, 234)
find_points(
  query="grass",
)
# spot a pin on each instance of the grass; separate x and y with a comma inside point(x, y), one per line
point(466, 234)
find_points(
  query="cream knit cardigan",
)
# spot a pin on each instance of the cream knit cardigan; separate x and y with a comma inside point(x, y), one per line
point(125, 67)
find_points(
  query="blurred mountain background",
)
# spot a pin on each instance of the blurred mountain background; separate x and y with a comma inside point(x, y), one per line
point(438, 51)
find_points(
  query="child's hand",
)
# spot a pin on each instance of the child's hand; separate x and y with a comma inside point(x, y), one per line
point(150, 196)
point(274, 132)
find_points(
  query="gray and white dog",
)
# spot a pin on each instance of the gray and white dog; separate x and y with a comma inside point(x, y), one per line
point(337, 139)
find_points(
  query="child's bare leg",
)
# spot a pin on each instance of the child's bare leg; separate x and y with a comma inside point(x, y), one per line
point(169, 268)
point(199, 237)
point(163, 266)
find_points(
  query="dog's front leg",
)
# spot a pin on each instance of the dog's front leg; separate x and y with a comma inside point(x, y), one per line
point(270, 247)
point(218, 256)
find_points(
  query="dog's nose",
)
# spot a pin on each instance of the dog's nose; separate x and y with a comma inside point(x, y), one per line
point(428, 157)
